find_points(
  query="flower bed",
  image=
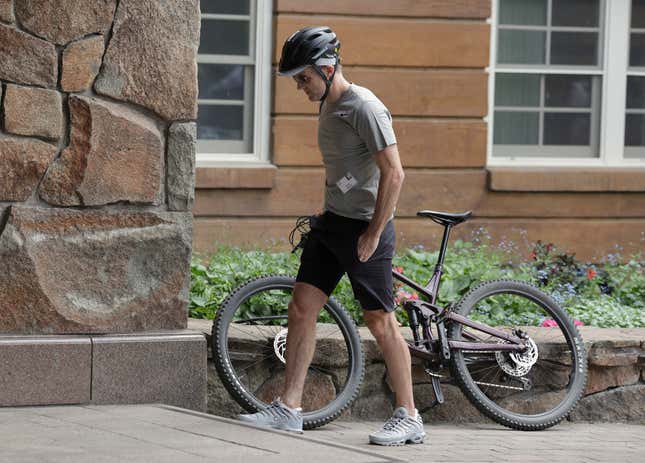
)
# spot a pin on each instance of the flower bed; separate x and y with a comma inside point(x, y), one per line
point(610, 293)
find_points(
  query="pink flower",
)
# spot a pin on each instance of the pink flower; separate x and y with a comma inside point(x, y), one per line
point(591, 273)
point(402, 295)
point(550, 323)
point(398, 268)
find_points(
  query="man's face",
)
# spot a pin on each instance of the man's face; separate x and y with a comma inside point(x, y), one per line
point(311, 83)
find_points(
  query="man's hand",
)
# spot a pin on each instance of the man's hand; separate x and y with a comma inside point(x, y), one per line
point(367, 244)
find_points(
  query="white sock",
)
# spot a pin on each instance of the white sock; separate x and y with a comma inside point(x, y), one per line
point(298, 409)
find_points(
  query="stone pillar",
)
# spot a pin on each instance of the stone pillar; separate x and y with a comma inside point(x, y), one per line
point(98, 102)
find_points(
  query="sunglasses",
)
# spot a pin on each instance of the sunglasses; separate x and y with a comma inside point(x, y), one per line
point(302, 79)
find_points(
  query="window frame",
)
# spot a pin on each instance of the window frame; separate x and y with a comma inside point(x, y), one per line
point(261, 22)
point(634, 71)
point(613, 69)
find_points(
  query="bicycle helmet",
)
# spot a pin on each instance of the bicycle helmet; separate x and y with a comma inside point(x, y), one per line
point(312, 46)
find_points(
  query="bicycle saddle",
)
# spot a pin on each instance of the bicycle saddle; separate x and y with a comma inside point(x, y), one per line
point(445, 218)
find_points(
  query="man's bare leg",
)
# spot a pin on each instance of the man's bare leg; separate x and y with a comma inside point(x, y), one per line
point(385, 328)
point(306, 303)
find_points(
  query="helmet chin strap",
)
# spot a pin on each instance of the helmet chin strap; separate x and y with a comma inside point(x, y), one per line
point(327, 82)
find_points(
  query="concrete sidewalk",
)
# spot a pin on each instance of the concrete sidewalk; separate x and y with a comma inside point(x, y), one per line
point(159, 433)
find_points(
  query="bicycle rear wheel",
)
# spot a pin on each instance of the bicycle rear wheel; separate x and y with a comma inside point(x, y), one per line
point(249, 342)
point(532, 390)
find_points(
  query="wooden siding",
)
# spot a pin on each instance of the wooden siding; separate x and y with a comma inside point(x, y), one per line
point(421, 142)
point(567, 179)
point(299, 191)
point(601, 234)
point(397, 42)
point(405, 92)
point(476, 9)
point(235, 177)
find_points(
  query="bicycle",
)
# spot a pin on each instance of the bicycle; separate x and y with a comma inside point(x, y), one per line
point(523, 376)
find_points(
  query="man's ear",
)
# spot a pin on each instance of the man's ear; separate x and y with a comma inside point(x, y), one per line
point(328, 70)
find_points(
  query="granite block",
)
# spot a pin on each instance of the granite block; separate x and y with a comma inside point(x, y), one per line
point(167, 368)
point(45, 370)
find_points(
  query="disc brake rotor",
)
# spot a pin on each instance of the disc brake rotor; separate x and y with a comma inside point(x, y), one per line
point(518, 363)
point(280, 344)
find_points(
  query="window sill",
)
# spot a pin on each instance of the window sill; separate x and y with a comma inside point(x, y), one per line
point(236, 177)
point(570, 179)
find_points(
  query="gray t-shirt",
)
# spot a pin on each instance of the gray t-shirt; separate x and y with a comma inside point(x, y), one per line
point(350, 131)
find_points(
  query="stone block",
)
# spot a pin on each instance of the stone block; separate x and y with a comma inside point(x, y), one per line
point(25, 59)
point(619, 404)
point(375, 400)
point(35, 112)
point(6, 11)
point(45, 370)
point(114, 155)
point(167, 368)
point(61, 21)
point(604, 354)
point(67, 271)
point(180, 169)
point(163, 77)
point(81, 63)
point(23, 163)
point(220, 401)
point(318, 389)
point(601, 378)
point(455, 409)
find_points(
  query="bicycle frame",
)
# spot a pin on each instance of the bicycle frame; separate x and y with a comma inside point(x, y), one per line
point(422, 313)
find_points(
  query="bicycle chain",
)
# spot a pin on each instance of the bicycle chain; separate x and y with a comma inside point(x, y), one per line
point(478, 382)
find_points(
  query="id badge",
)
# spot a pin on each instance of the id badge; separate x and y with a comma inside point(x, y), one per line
point(346, 183)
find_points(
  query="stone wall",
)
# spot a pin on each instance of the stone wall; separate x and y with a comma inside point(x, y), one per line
point(98, 101)
point(615, 386)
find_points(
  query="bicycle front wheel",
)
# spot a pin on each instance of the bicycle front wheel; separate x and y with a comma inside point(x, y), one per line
point(249, 344)
point(531, 390)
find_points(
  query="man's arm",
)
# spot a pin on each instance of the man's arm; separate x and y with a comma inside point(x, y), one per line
point(389, 163)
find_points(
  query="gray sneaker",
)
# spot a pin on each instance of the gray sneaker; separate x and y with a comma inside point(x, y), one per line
point(276, 416)
point(400, 429)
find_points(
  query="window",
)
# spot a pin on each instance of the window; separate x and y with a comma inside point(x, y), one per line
point(234, 66)
point(635, 113)
point(556, 75)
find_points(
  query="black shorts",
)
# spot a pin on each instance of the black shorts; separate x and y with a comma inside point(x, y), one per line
point(331, 250)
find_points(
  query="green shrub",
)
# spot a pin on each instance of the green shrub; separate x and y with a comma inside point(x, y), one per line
point(607, 294)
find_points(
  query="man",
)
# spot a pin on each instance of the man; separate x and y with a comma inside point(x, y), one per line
point(355, 233)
